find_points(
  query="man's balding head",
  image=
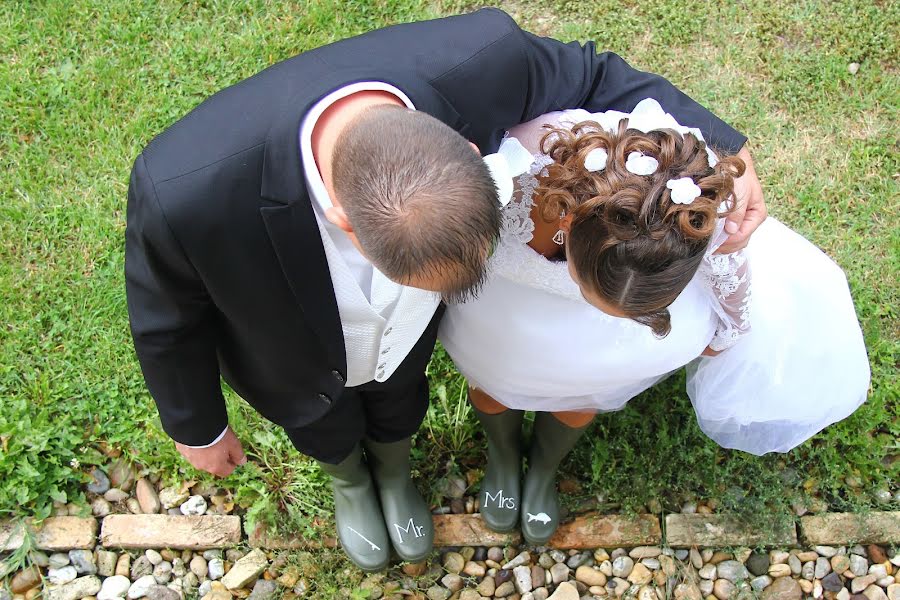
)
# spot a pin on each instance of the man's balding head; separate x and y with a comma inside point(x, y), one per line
point(419, 199)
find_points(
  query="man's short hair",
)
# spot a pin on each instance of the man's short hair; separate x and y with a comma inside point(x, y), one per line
point(420, 200)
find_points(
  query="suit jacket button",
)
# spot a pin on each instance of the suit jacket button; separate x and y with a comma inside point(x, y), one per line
point(338, 376)
point(324, 398)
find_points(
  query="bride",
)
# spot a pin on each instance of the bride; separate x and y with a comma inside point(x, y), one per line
point(605, 280)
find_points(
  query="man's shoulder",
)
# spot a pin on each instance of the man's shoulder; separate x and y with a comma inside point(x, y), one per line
point(239, 118)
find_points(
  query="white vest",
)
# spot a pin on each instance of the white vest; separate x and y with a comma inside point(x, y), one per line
point(381, 320)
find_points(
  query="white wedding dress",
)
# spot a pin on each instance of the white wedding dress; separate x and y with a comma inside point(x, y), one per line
point(793, 360)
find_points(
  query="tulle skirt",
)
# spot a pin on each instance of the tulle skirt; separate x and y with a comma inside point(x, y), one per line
point(803, 365)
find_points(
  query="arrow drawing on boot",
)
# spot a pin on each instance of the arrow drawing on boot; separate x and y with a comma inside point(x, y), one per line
point(368, 541)
point(541, 516)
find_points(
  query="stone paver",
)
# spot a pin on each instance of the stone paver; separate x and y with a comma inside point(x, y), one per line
point(686, 530)
point(604, 531)
point(55, 533)
point(846, 528)
point(170, 531)
point(469, 530)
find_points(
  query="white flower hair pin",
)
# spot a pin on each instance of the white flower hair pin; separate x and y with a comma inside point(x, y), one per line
point(596, 160)
point(510, 161)
point(641, 164)
point(684, 190)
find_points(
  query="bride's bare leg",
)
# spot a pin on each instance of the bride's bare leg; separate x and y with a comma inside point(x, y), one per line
point(500, 488)
point(485, 403)
point(574, 419)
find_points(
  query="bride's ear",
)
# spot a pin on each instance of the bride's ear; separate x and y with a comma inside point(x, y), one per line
point(337, 216)
point(566, 222)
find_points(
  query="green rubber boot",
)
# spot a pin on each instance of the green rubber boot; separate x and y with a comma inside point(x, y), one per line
point(406, 514)
point(357, 515)
point(550, 442)
point(500, 495)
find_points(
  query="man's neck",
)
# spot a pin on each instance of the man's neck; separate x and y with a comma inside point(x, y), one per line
point(331, 124)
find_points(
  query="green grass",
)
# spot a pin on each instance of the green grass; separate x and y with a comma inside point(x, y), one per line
point(84, 85)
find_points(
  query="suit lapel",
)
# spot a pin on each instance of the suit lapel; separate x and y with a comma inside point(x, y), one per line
point(295, 236)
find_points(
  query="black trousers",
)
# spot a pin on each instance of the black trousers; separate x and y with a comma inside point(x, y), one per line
point(385, 412)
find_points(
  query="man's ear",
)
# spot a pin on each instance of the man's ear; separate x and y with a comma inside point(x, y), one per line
point(475, 148)
point(337, 216)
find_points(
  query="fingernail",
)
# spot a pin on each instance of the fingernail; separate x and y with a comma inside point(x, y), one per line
point(731, 227)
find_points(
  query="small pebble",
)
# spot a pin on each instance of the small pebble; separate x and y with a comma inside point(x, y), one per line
point(577, 560)
point(521, 559)
point(832, 582)
point(106, 563)
point(454, 562)
point(858, 565)
point(559, 573)
point(650, 563)
point(795, 564)
point(58, 560)
point(62, 575)
point(216, 568)
point(823, 567)
point(195, 505)
point(115, 495)
point(99, 482)
point(83, 561)
point(100, 507)
point(123, 565)
point(723, 589)
point(708, 572)
point(622, 566)
point(114, 587)
point(140, 587)
point(133, 506)
point(760, 583)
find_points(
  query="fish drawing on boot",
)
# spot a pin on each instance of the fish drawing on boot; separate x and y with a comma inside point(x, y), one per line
point(541, 517)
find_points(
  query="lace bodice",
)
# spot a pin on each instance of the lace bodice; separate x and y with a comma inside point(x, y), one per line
point(513, 258)
point(726, 277)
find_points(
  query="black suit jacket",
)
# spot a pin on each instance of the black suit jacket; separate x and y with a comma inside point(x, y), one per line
point(225, 270)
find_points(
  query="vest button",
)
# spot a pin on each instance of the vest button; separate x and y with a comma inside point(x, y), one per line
point(338, 376)
point(325, 398)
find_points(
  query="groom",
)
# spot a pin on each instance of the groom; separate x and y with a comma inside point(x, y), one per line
point(294, 234)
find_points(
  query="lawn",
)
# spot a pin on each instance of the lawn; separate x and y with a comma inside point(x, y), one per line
point(85, 84)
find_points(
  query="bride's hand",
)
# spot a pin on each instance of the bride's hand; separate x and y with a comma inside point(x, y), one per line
point(750, 211)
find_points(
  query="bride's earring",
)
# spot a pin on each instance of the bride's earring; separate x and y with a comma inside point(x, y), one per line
point(559, 237)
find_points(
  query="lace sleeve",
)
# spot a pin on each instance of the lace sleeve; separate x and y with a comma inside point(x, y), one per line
point(727, 277)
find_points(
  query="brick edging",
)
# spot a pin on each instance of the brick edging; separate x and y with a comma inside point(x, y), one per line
point(587, 531)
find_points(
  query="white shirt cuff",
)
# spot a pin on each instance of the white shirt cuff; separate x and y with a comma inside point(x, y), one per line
point(214, 442)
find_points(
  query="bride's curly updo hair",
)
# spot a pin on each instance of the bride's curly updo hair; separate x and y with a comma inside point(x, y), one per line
point(629, 243)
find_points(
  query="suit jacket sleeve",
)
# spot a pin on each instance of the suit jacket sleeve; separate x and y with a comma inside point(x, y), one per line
point(171, 321)
point(562, 76)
